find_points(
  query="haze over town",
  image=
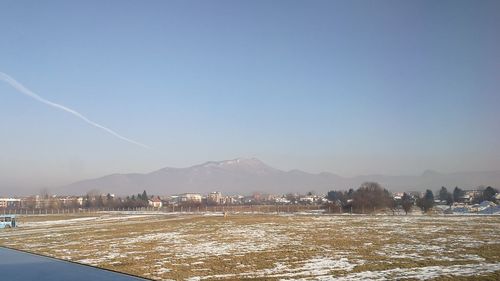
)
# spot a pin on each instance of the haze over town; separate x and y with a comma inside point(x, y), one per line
point(390, 89)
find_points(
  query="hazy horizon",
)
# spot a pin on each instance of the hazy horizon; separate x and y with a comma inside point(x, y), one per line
point(389, 87)
point(428, 179)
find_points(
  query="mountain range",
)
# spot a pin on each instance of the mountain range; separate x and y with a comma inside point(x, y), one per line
point(244, 176)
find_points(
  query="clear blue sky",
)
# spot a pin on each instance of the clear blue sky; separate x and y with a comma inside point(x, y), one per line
point(350, 87)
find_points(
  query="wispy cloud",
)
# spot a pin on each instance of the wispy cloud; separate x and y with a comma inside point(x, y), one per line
point(22, 89)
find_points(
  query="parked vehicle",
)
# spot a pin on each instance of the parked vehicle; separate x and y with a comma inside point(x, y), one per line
point(7, 221)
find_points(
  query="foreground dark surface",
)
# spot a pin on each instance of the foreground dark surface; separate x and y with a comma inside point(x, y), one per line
point(22, 266)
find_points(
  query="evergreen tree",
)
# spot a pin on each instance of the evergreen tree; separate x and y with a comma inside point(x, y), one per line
point(350, 193)
point(489, 194)
point(427, 202)
point(457, 193)
point(444, 195)
point(334, 196)
point(144, 196)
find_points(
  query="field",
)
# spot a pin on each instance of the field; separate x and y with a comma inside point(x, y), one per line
point(269, 246)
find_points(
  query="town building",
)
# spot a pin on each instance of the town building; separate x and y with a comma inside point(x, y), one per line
point(10, 203)
point(189, 198)
point(155, 202)
point(215, 198)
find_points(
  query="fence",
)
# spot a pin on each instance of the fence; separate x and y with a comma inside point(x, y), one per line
point(173, 209)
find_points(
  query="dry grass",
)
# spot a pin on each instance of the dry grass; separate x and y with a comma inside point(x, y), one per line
point(270, 247)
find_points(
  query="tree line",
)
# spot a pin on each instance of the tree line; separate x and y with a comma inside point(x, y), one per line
point(108, 201)
point(457, 196)
point(371, 197)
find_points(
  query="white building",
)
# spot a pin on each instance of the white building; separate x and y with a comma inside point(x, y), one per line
point(155, 202)
point(307, 199)
point(282, 200)
point(10, 203)
point(215, 198)
point(190, 198)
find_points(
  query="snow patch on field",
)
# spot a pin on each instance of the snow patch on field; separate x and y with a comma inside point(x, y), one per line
point(235, 240)
point(168, 236)
point(317, 266)
point(82, 221)
point(104, 258)
point(418, 273)
point(56, 222)
point(320, 266)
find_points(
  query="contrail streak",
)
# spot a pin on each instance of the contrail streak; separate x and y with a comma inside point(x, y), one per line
point(19, 87)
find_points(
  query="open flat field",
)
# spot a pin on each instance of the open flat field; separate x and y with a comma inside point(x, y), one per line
point(269, 247)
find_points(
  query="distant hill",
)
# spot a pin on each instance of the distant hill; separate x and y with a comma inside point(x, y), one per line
point(244, 176)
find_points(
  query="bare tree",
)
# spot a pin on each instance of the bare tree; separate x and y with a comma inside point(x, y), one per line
point(406, 202)
point(370, 196)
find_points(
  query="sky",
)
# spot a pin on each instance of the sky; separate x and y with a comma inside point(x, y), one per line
point(349, 87)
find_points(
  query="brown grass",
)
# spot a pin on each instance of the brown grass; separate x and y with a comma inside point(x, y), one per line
point(250, 247)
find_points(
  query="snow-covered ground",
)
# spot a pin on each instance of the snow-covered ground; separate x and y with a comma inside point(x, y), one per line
point(275, 247)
